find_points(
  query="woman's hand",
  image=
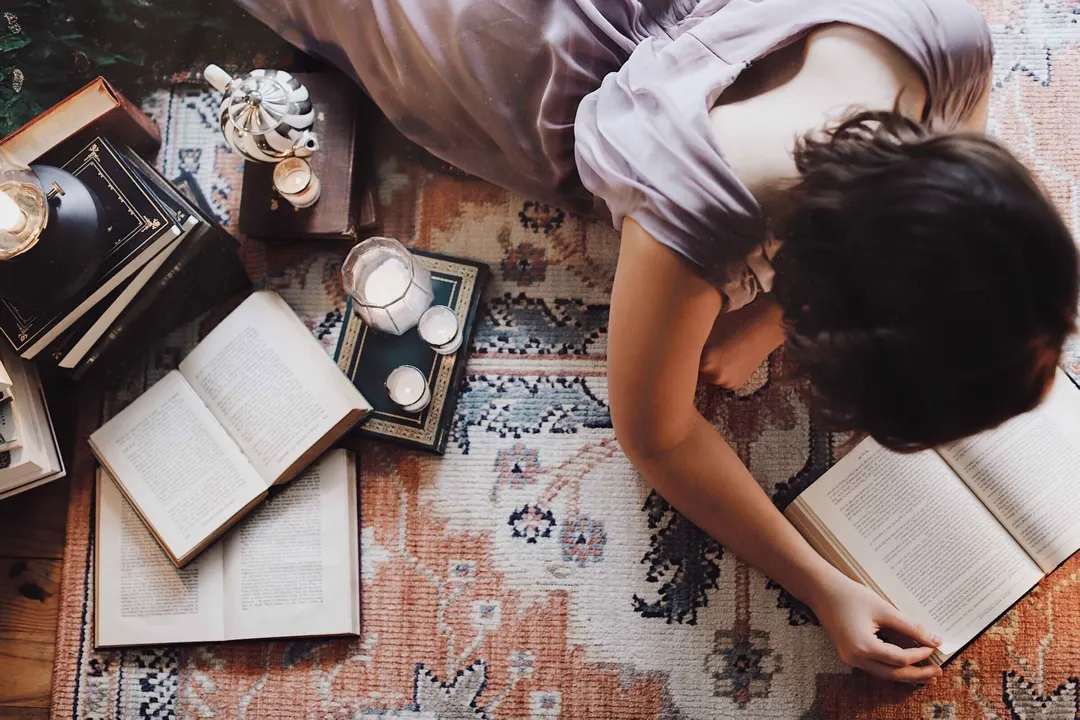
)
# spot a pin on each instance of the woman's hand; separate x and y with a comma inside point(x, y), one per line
point(739, 342)
point(853, 614)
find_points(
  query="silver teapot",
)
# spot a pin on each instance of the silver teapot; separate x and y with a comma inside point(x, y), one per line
point(266, 115)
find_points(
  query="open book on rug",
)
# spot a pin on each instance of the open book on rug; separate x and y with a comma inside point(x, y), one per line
point(256, 402)
point(954, 537)
point(290, 569)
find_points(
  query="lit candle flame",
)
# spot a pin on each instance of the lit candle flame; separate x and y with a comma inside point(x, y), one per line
point(12, 219)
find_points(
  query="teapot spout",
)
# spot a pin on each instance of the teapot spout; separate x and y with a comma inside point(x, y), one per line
point(218, 78)
point(306, 144)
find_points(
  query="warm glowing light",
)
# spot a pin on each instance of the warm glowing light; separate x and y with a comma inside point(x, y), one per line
point(12, 219)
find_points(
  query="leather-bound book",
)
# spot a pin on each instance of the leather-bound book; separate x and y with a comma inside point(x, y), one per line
point(98, 104)
point(346, 206)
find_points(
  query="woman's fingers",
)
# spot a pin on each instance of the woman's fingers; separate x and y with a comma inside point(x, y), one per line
point(888, 654)
point(892, 619)
point(908, 674)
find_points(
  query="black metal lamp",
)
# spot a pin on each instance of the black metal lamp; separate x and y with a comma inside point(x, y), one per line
point(51, 239)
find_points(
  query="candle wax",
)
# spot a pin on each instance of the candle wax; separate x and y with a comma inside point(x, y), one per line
point(407, 387)
point(296, 181)
point(438, 326)
point(386, 283)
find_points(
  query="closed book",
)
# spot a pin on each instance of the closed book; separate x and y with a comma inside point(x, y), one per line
point(203, 273)
point(70, 337)
point(37, 458)
point(342, 164)
point(137, 225)
point(96, 105)
point(367, 357)
point(76, 342)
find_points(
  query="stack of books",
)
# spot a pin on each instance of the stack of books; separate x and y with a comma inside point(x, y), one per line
point(168, 260)
point(29, 455)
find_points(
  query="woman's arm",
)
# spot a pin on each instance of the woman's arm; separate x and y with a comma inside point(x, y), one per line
point(661, 316)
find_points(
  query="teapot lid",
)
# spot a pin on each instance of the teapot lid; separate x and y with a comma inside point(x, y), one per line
point(258, 104)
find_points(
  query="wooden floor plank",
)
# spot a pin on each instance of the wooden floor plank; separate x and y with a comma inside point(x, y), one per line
point(29, 606)
point(32, 524)
point(18, 713)
point(29, 599)
point(25, 673)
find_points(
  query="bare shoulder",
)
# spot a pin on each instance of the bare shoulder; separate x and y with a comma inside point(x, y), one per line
point(803, 87)
point(863, 61)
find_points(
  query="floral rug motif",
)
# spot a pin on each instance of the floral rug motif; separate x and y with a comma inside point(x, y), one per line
point(531, 573)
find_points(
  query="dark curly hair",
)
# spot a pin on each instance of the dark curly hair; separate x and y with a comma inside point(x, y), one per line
point(928, 285)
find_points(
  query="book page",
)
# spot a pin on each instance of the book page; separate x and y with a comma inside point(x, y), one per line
point(270, 384)
point(1027, 472)
point(176, 464)
point(291, 567)
point(141, 598)
point(922, 539)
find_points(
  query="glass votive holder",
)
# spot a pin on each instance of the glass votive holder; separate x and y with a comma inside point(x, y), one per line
point(390, 288)
point(408, 387)
point(295, 181)
point(439, 328)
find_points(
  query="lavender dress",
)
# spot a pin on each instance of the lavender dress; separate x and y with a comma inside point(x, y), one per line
point(602, 105)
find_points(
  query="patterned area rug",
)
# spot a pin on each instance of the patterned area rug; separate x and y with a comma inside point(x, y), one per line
point(531, 573)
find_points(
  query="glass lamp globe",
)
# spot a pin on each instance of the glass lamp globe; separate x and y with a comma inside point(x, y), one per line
point(51, 234)
point(23, 209)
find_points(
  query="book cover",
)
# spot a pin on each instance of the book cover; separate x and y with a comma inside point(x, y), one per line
point(203, 272)
point(98, 105)
point(134, 222)
point(347, 204)
point(175, 206)
point(63, 344)
point(367, 357)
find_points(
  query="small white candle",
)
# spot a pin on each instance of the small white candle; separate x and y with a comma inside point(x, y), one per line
point(296, 182)
point(408, 388)
point(440, 329)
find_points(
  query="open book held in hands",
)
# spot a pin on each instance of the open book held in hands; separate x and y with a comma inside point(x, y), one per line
point(954, 537)
point(256, 402)
point(289, 569)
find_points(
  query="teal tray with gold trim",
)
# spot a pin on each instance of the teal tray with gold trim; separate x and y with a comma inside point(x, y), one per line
point(367, 356)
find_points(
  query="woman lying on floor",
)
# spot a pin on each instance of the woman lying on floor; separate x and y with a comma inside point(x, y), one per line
point(829, 151)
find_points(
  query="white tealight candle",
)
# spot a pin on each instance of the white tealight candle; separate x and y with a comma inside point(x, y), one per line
point(440, 329)
point(296, 182)
point(408, 388)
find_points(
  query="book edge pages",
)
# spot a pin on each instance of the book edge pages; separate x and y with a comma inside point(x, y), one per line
point(136, 264)
point(21, 143)
point(137, 284)
point(322, 445)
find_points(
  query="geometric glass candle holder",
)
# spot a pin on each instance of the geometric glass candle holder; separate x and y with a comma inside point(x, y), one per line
point(390, 288)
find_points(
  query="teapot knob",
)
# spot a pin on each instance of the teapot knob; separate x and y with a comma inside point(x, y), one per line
point(218, 78)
